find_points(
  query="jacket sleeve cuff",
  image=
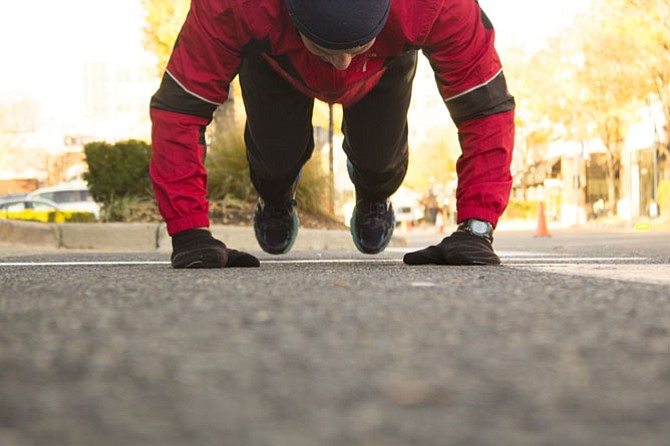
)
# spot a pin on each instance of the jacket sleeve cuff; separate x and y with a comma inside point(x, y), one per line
point(187, 222)
point(478, 213)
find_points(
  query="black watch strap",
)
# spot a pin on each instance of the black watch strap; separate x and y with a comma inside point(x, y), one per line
point(478, 228)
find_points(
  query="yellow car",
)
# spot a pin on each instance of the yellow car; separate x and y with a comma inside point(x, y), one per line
point(39, 209)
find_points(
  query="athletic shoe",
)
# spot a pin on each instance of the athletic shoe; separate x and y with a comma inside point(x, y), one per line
point(372, 224)
point(276, 226)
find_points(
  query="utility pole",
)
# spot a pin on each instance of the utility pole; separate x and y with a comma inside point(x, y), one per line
point(331, 169)
point(653, 207)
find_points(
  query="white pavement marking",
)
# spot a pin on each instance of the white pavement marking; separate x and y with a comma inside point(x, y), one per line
point(627, 269)
point(100, 263)
point(164, 262)
point(509, 258)
point(631, 269)
point(652, 274)
point(550, 260)
point(310, 261)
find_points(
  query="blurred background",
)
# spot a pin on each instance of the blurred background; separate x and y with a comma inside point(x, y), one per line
point(591, 79)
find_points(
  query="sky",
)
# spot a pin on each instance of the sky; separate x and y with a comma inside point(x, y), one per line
point(45, 42)
point(529, 23)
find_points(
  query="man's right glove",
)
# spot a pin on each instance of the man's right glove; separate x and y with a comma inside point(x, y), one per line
point(197, 248)
point(460, 248)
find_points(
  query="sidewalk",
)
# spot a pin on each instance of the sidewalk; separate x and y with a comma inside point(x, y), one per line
point(660, 224)
point(149, 237)
point(152, 237)
point(603, 224)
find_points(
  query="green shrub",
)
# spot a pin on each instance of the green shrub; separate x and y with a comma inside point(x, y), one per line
point(228, 168)
point(79, 217)
point(118, 170)
point(313, 193)
point(228, 173)
point(118, 208)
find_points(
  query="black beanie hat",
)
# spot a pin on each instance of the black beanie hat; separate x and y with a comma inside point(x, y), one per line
point(339, 24)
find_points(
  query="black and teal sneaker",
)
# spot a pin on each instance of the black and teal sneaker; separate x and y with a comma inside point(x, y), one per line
point(372, 224)
point(276, 226)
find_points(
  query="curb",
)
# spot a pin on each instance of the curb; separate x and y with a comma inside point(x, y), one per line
point(27, 233)
point(153, 237)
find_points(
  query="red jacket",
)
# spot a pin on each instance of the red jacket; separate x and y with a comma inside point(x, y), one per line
point(455, 35)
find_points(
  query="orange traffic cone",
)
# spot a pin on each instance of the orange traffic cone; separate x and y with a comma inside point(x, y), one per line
point(542, 230)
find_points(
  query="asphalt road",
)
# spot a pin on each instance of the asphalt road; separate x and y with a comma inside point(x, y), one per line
point(568, 343)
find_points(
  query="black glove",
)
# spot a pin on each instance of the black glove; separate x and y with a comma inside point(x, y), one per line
point(196, 248)
point(460, 248)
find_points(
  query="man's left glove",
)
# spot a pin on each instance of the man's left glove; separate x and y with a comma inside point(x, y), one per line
point(197, 248)
point(460, 248)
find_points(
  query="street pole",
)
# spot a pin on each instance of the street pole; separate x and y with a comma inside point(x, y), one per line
point(653, 208)
point(331, 169)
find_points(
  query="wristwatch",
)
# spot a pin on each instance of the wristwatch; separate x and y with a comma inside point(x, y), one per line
point(478, 228)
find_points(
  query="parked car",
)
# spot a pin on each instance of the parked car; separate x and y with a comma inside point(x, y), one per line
point(9, 197)
point(35, 209)
point(69, 196)
point(41, 209)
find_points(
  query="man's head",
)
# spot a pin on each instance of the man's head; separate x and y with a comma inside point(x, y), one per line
point(340, 59)
point(339, 24)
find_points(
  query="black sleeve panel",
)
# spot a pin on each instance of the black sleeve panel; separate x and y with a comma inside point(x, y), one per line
point(483, 101)
point(172, 97)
